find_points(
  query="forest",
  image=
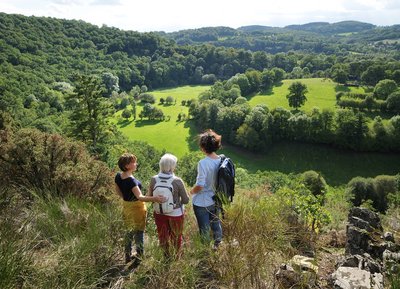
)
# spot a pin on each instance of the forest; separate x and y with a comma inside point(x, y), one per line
point(42, 57)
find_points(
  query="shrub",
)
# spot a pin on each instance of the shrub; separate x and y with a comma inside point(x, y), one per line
point(31, 158)
point(384, 185)
point(187, 167)
point(337, 204)
point(361, 189)
point(309, 207)
point(314, 182)
point(169, 99)
point(147, 98)
point(374, 190)
point(126, 113)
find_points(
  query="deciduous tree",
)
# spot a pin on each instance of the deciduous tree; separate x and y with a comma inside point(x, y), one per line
point(297, 94)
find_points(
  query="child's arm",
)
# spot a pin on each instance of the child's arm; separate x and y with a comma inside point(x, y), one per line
point(138, 194)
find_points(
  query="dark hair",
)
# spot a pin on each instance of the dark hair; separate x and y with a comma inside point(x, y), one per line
point(125, 160)
point(210, 141)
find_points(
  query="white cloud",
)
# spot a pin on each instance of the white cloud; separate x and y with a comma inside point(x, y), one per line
point(106, 2)
point(172, 15)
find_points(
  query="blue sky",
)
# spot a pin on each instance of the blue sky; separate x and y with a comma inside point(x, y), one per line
point(174, 15)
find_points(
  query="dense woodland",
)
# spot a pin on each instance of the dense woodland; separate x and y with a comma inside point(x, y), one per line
point(42, 60)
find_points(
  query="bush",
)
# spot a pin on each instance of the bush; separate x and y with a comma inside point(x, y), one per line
point(187, 167)
point(314, 182)
point(337, 204)
point(384, 185)
point(126, 113)
point(376, 190)
point(147, 98)
point(33, 159)
point(361, 189)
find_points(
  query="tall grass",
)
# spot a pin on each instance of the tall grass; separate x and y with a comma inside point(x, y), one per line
point(258, 236)
point(74, 243)
point(15, 257)
point(77, 244)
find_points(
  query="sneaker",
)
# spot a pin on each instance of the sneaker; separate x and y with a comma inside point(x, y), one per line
point(216, 245)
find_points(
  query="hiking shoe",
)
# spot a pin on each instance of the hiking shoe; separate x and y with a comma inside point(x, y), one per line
point(216, 245)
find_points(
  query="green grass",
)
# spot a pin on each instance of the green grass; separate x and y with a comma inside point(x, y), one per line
point(321, 93)
point(173, 136)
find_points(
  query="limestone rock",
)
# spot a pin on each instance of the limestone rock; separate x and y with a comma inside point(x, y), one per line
point(351, 278)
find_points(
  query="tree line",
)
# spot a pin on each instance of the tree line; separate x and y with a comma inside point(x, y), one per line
point(224, 108)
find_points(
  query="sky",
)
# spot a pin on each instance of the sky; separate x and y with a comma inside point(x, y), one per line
point(175, 15)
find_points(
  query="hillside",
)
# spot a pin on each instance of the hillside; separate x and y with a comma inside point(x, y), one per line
point(333, 28)
point(350, 35)
point(60, 224)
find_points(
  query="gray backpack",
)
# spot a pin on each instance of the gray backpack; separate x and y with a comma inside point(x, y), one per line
point(163, 187)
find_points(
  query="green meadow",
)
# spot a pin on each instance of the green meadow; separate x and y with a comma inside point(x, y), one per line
point(321, 93)
point(174, 136)
point(337, 166)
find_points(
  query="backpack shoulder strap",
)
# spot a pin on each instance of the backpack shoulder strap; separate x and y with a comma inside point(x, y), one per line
point(170, 180)
point(223, 157)
point(167, 181)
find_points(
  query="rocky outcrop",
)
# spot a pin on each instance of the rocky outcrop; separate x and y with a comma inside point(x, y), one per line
point(369, 252)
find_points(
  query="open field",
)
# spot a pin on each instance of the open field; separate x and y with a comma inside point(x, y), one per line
point(337, 166)
point(173, 136)
point(321, 93)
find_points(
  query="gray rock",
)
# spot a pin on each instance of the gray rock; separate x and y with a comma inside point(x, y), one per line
point(360, 223)
point(351, 278)
point(388, 236)
point(370, 264)
point(377, 281)
point(388, 255)
point(357, 240)
point(350, 261)
point(367, 215)
point(363, 262)
point(303, 263)
point(377, 249)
